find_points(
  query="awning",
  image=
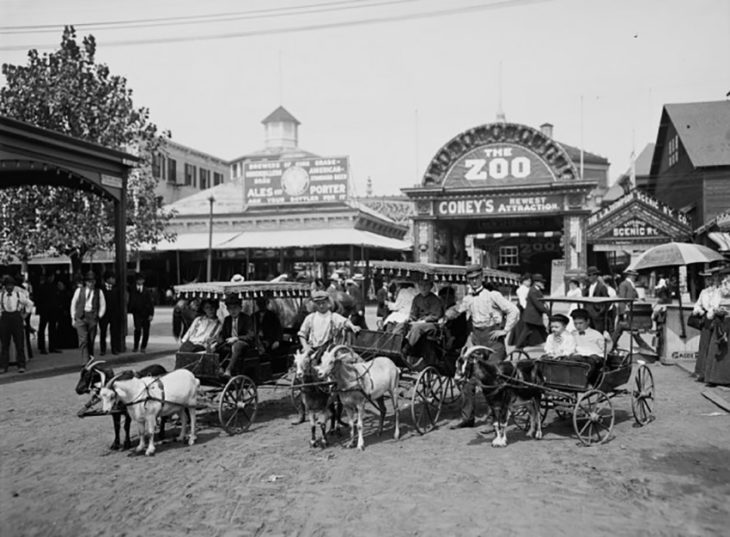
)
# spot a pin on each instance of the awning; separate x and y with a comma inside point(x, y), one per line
point(189, 242)
point(309, 238)
point(518, 234)
point(721, 239)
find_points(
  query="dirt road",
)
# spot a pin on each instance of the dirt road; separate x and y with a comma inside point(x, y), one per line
point(59, 479)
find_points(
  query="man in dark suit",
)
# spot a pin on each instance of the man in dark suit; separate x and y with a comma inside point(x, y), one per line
point(48, 301)
point(142, 308)
point(533, 331)
point(236, 339)
point(626, 289)
point(267, 327)
point(595, 288)
point(112, 315)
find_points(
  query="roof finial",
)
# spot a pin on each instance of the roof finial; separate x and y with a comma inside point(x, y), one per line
point(500, 111)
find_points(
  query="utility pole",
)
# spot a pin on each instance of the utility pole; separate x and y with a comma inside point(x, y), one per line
point(210, 240)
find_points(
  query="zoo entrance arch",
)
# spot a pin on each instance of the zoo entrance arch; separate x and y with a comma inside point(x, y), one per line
point(31, 155)
point(505, 179)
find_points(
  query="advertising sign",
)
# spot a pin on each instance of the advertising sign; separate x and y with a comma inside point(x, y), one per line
point(499, 206)
point(498, 164)
point(634, 229)
point(310, 180)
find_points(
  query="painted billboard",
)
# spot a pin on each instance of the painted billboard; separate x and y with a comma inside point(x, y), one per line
point(309, 180)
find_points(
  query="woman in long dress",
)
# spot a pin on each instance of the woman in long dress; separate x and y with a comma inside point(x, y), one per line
point(707, 302)
point(717, 361)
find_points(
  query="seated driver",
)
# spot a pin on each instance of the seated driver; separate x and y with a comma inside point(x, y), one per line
point(267, 326)
point(236, 337)
point(590, 344)
point(426, 310)
point(560, 343)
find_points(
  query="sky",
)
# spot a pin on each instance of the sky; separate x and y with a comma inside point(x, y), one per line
point(388, 82)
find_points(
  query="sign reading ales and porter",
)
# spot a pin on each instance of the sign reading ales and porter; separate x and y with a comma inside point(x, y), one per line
point(311, 180)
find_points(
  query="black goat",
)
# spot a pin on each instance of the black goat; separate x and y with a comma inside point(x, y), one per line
point(94, 375)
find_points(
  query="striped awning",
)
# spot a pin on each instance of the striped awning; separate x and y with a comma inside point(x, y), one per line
point(514, 234)
point(440, 273)
point(243, 290)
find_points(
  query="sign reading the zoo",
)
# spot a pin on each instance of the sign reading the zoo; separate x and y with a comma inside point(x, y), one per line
point(311, 180)
point(498, 165)
point(499, 205)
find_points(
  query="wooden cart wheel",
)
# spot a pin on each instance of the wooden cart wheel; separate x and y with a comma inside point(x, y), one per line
point(642, 396)
point(517, 355)
point(521, 416)
point(593, 417)
point(451, 392)
point(427, 399)
point(238, 403)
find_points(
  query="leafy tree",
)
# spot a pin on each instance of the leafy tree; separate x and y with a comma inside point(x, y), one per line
point(68, 92)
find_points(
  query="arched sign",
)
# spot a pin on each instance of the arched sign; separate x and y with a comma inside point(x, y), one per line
point(498, 165)
point(499, 154)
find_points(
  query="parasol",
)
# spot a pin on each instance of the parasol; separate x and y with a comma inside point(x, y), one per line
point(675, 254)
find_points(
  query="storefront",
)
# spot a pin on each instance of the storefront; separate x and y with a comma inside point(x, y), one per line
point(506, 195)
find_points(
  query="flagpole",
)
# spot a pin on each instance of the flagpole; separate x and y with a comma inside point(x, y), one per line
point(581, 137)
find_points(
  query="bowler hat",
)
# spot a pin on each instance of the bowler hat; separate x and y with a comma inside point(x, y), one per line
point(233, 300)
point(560, 318)
point(319, 296)
point(90, 276)
point(8, 280)
point(237, 278)
point(537, 278)
point(579, 314)
point(139, 277)
point(108, 274)
point(474, 270)
point(592, 270)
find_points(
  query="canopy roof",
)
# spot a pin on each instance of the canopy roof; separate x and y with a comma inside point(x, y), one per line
point(445, 273)
point(244, 290)
point(307, 238)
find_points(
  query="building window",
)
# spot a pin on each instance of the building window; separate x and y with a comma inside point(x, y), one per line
point(190, 177)
point(204, 178)
point(217, 178)
point(172, 171)
point(508, 256)
point(673, 150)
point(157, 166)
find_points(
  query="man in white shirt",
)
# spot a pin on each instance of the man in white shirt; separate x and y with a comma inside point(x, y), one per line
point(14, 306)
point(87, 306)
point(492, 317)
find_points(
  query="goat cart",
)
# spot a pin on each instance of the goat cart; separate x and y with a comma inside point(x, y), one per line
point(428, 373)
point(235, 398)
point(569, 390)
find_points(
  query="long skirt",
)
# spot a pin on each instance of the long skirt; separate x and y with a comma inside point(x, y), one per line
point(717, 362)
point(705, 335)
point(531, 335)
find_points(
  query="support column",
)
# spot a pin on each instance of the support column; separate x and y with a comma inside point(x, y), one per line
point(574, 244)
point(423, 249)
point(120, 261)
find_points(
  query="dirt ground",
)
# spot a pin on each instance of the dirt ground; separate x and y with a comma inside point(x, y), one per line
point(59, 479)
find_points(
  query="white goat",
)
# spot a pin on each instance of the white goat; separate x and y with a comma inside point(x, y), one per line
point(358, 382)
point(148, 398)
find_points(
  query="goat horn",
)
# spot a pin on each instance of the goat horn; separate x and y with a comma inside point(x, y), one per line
point(477, 348)
point(337, 348)
point(111, 381)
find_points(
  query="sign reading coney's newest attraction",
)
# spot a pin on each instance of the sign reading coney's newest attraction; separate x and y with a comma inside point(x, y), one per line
point(311, 180)
point(497, 165)
point(499, 206)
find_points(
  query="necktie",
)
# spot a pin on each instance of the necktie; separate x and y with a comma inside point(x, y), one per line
point(581, 333)
point(234, 326)
point(139, 288)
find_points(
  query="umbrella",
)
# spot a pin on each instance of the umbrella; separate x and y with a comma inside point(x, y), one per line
point(675, 254)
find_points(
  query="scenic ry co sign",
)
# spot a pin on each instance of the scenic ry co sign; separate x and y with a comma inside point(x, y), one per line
point(270, 182)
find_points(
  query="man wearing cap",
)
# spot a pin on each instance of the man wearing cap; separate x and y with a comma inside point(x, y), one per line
point(14, 305)
point(492, 317)
point(595, 288)
point(590, 344)
point(533, 331)
point(322, 326)
point(142, 308)
point(87, 306)
point(236, 339)
point(426, 310)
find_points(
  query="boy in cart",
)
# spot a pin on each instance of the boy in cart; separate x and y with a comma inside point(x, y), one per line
point(590, 344)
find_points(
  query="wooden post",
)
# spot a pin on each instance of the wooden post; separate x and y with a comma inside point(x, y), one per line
point(177, 266)
point(352, 258)
point(120, 251)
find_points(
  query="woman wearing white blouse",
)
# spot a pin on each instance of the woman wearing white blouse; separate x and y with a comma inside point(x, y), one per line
point(560, 343)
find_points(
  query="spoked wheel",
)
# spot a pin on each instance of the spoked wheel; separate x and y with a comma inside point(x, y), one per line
point(238, 403)
point(642, 397)
point(593, 417)
point(517, 355)
point(427, 399)
point(521, 415)
point(451, 392)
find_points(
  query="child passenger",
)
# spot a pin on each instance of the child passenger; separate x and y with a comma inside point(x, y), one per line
point(560, 343)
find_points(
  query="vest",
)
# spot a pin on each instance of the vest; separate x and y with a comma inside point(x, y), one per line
point(81, 302)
